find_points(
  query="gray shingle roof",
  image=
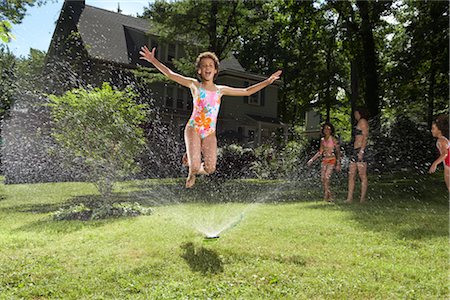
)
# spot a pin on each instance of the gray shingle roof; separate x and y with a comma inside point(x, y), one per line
point(103, 33)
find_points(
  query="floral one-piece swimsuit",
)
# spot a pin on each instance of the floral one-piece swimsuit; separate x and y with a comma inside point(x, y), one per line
point(205, 111)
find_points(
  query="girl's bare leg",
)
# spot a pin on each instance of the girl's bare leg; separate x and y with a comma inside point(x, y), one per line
point(447, 176)
point(323, 178)
point(193, 150)
point(351, 182)
point(362, 171)
point(328, 173)
point(209, 151)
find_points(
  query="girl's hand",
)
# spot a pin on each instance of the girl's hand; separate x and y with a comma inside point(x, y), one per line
point(275, 76)
point(338, 167)
point(309, 163)
point(432, 168)
point(147, 55)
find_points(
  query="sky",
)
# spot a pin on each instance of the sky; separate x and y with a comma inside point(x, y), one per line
point(37, 27)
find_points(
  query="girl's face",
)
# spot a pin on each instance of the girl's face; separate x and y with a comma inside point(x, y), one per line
point(327, 130)
point(207, 69)
point(435, 131)
point(357, 115)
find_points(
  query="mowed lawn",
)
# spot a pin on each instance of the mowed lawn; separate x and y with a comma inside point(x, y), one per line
point(285, 244)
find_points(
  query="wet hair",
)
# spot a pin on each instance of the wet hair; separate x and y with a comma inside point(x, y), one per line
point(442, 124)
point(331, 127)
point(363, 112)
point(207, 55)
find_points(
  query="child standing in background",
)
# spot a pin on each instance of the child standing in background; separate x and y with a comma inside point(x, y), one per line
point(331, 158)
point(440, 130)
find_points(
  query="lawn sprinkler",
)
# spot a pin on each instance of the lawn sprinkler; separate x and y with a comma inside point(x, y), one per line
point(211, 237)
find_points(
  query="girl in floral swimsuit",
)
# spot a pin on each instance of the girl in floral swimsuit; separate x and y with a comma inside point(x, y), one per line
point(199, 133)
point(330, 152)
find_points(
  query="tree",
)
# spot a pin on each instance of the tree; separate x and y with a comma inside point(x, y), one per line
point(418, 60)
point(7, 80)
point(13, 12)
point(214, 25)
point(100, 126)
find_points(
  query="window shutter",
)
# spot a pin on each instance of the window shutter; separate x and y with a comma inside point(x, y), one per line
point(262, 97)
point(246, 97)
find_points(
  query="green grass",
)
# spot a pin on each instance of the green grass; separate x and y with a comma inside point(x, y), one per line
point(289, 246)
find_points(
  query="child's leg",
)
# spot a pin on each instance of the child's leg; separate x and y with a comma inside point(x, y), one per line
point(447, 176)
point(193, 150)
point(328, 173)
point(323, 175)
point(351, 181)
point(362, 171)
point(209, 150)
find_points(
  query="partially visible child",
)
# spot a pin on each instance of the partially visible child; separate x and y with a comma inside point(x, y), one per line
point(331, 158)
point(440, 130)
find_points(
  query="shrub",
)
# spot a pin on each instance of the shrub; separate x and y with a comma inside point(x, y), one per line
point(100, 126)
point(84, 213)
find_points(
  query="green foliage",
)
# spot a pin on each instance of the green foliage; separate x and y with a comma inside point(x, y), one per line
point(115, 210)
point(100, 126)
point(12, 12)
point(7, 80)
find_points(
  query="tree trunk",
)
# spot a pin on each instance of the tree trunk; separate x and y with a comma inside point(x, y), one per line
point(213, 46)
point(431, 94)
point(370, 62)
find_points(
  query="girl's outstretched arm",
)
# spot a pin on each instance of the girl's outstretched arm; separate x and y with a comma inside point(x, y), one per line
point(230, 91)
point(316, 156)
point(149, 56)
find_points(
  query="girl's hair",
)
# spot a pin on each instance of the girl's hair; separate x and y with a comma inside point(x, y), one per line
point(364, 113)
point(442, 124)
point(207, 55)
point(331, 127)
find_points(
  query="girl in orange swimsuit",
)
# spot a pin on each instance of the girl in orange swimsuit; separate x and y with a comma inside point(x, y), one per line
point(331, 154)
point(199, 133)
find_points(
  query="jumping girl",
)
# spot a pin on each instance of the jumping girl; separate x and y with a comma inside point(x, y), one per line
point(200, 130)
point(331, 154)
point(440, 130)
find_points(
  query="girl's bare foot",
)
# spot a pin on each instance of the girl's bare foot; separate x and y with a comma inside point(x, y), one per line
point(348, 201)
point(185, 160)
point(190, 181)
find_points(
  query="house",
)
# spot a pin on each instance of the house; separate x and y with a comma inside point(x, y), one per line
point(90, 46)
point(93, 45)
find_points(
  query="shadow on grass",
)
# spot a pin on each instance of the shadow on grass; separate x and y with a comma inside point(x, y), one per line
point(61, 227)
point(407, 220)
point(200, 259)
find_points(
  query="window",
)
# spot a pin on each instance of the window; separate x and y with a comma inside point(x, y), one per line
point(180, 98)
point(251, 135)
point(154, 44)
point(169, 96)
point(257, 99)
point(171, 52)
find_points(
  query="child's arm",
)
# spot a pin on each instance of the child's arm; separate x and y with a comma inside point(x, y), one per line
point(317, 155)
point(150, 57)
point(230, 91)
point(443, 150)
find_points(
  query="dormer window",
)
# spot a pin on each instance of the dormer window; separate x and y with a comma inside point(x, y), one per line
point(256, 99)
point(171, 52)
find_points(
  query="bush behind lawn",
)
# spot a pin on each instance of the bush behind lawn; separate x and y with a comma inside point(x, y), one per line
point(395, 246)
